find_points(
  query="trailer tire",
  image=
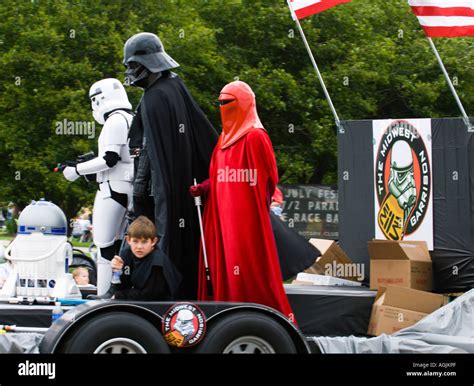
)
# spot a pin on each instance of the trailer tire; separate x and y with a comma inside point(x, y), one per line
point(116, 333)
point(247, 332)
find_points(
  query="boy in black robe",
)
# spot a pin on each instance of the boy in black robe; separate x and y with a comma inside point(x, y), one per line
point(147, 273)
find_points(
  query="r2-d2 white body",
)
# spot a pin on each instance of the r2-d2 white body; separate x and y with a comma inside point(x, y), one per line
point(41, 255)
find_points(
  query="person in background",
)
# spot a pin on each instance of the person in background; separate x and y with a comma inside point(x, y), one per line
point(81, 276)
point(5, 268)
point(277, 202)
point(85, 227)
point(76, 232)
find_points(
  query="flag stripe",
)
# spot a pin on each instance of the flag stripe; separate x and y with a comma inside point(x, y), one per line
point(441, 21)
point(297, 4)
point(442, 3)
point(438, 11)
point(315, 7)
point(445, 18)
point(449, 32)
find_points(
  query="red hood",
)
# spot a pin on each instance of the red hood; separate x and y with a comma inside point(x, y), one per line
point(239, 116)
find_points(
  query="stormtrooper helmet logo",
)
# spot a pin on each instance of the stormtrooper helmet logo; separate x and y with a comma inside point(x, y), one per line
point(184, 325)
point(401, 181)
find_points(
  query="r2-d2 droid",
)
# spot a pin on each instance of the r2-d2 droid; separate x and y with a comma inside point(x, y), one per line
point(41, 255)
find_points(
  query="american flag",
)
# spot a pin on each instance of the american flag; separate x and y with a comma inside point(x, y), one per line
point(445, 18)
point(305, 8)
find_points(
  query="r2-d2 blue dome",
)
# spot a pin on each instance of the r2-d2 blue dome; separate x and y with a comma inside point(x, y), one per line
point(42, 216)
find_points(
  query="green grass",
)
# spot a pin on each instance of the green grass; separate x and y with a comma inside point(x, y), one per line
point(76, 243)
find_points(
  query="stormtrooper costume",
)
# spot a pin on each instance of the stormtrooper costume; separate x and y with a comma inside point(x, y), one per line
point(113, 167)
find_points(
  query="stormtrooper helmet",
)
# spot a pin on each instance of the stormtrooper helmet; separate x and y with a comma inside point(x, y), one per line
point(402, 160)
point(184, 323)
point(402, 182)
point(107, 95)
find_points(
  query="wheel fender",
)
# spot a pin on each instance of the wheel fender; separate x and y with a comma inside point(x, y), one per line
point(55, 343)
point(297, 337)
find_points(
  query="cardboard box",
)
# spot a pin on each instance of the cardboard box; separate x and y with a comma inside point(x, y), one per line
point(398, 307)
point(333, 257)
point(401, 263)
point(325, 280)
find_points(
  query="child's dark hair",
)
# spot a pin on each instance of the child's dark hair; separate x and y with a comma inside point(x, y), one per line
point(142, 228)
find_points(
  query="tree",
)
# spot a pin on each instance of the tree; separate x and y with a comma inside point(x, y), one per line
point(372, 53)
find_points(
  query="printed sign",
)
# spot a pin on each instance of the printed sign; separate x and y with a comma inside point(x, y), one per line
point(311, 210)
point(184, 325)
point(403, 180)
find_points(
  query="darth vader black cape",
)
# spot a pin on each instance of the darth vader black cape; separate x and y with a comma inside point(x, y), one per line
point(295, 253)
point(179, 144)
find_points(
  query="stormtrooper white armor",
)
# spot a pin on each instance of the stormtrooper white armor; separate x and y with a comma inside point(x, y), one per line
point(113, 166)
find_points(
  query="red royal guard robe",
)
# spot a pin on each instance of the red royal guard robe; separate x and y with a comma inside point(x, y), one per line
point(240, 245)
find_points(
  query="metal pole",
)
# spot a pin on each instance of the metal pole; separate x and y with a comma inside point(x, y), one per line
point(13, 328)
point(315, 65)
point(198, 203)
point(451, 86)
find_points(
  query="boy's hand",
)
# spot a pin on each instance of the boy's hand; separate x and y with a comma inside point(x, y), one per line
point(116, 263)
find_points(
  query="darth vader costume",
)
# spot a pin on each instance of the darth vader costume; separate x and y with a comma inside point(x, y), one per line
point(175, 141)
point(295, 253)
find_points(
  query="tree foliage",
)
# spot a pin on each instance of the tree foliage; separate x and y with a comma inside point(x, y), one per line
point(373, 56)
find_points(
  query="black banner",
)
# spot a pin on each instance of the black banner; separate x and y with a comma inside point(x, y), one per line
point(453, 199)
point(365, 369)
point(311, 210)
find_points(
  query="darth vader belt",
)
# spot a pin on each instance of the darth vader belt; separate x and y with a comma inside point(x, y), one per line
point(135, 152)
